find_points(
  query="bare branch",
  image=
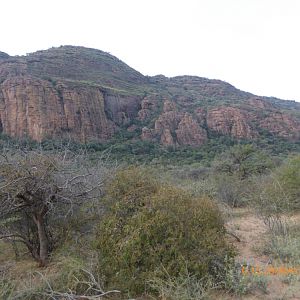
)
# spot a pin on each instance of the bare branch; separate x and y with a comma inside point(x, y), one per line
point(92, 284)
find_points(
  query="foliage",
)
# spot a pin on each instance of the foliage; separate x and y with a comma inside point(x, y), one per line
point(280, 192)
point(231, 190)
point(182, 287)
point(127, 147)
point(243, 161)
point(239, 283)
point(74, 280)
point(289, 176)
point(151, 228)
point(285, 248)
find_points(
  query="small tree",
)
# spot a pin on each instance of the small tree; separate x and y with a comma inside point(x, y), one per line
point(243, 161)
point(39, 188)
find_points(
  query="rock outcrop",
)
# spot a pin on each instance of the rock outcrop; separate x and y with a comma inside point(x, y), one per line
point(148, 106)
point(175, 128)
point(31, 107)
point(166, 137)
point(231, 121)
point(189, 132)
point(282, 125)
point(121, 109)
point(86, 95)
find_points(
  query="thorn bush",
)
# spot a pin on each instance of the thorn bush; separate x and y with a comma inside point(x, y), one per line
point(152, 229)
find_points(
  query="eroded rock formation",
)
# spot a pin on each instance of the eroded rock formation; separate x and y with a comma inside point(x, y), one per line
point(189, 132)
point(86, 94)
point(231, 121)
point(31, 107)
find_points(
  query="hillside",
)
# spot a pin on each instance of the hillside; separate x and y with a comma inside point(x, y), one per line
point(90, 95)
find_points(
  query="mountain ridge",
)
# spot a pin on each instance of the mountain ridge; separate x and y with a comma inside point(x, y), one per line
point(88, 94)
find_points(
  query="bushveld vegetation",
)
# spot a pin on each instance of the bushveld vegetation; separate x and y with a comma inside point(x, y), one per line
point(153, 230)
point(74, 224)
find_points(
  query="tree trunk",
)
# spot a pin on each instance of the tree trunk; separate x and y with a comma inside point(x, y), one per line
point(43, 240)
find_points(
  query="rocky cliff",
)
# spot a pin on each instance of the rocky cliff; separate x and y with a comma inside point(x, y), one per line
point(87, 94)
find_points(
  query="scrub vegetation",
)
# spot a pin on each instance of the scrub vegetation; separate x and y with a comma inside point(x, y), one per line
point(78, 223)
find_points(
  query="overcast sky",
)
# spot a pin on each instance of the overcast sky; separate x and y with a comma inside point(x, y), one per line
point(252, 44)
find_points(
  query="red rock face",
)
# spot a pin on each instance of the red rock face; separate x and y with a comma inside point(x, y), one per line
point(86, 94)
point(282, 125)
point(189, 132)
point(166, 138)
point(167, 123)
point(148, 106)
point(33, 108)
point(231, 121)
point(175, 128)
point(121, 109)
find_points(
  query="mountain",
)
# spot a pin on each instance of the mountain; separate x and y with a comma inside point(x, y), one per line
point(90, 95)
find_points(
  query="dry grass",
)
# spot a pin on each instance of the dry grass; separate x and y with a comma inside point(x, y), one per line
point(255, 237)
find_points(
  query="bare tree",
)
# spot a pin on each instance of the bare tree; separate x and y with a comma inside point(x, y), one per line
point(37, 187)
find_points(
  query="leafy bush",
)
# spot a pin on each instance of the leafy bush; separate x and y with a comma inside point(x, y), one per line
point(243, 161)
point(231, 190)
point(152, 229)
point(289, 177)
point(280, 192)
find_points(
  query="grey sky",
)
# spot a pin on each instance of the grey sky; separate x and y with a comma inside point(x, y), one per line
point(252, 44)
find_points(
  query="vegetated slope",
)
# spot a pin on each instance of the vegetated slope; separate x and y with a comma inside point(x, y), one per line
point(87, 94)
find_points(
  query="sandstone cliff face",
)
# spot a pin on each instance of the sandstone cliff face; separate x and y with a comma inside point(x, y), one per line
point(175, 128)
point(282, 125)
point(86, 94)
point(121, 109)
point(167, 123)
point(149, 105)
point(189, 132)
point(31, 107)
point(58, 94)
point(231, 121)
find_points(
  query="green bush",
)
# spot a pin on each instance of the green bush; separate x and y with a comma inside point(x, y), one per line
point(289, 177)
point(280, 192)
point(243, 161)
point(153, 229)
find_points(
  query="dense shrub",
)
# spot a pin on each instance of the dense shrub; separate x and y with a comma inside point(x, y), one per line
point(152, 230)
point(280, 192)
point(231, 190)
point(289, 176)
